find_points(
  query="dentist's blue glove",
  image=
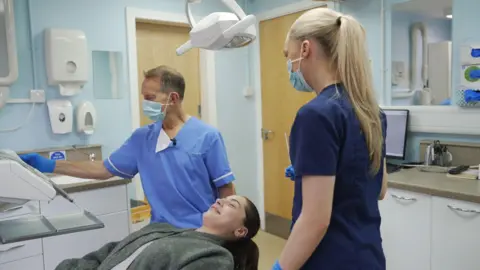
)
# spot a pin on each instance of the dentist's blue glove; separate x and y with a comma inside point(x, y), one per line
point(38, 162)
point(290, 173)
point(276, 266)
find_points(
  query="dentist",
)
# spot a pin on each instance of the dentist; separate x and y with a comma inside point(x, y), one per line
point(337, 148)
point(181, 160)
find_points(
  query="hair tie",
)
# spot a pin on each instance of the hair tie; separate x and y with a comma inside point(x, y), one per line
point(339, 20)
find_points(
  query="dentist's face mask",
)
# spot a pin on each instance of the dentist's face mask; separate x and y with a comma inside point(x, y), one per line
point(296, 77)
point(155, 111)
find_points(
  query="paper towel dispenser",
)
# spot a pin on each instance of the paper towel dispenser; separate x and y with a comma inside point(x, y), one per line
point(67, 60)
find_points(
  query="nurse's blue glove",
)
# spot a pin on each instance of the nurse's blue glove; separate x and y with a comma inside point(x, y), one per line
point(38, 162)
point(276, 266)
point(290, 173)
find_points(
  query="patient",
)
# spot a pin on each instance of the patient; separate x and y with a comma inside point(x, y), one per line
point(224, 242)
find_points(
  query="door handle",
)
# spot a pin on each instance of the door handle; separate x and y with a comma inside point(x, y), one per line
point(403, 198)
point(266, 134)
point(459, 209)
point(5, 248)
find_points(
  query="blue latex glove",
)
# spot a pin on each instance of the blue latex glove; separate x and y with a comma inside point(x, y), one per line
point(276, 266)
point(38, 162)
point(290, 173)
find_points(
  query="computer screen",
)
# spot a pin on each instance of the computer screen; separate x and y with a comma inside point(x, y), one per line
point(397, 123)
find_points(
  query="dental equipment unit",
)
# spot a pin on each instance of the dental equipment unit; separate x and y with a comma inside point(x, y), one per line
point(220, 30)
point(20, 183)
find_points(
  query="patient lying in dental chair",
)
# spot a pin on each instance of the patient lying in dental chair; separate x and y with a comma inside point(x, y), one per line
point(224, 242)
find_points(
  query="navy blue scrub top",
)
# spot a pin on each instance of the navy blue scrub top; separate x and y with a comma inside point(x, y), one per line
point(326, 140)
point(179, 178)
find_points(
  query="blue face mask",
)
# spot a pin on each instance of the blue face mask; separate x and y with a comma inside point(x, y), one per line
point(153, 110)
point(296, 77)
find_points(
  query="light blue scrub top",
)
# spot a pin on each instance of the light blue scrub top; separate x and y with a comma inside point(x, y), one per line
point(180, 179)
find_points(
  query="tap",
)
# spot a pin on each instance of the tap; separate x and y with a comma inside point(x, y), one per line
point(91, 156)
point(429, 155)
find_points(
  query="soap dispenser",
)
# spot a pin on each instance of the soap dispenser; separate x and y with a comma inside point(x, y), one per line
point(86, 118)
point(61, 116)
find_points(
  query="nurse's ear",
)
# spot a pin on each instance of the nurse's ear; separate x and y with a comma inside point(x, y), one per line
point(175, 98)
point(305, 49)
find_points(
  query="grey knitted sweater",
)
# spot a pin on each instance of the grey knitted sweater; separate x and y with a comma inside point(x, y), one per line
point(170, 249)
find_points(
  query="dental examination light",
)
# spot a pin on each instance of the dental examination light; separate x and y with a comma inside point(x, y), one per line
point(220, 30)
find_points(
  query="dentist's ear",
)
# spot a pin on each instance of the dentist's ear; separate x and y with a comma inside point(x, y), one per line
point(175, 98)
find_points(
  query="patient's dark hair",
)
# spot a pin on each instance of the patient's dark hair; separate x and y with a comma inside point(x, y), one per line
point(245, 251)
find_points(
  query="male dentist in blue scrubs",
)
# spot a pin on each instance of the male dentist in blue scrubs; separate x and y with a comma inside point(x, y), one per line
point(182, 161)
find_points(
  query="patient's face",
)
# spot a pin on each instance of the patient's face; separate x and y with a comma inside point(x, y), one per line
point(227, 216)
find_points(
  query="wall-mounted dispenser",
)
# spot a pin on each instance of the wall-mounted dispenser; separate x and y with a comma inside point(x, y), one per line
point(67, 60)
point(470, 54)
point(86, 118)
point(61, 116)
point(8, 44)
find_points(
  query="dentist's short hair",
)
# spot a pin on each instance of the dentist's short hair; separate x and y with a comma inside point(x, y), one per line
point(170, 79)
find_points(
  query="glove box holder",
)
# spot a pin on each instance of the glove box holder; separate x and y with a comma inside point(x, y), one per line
point(33, 227)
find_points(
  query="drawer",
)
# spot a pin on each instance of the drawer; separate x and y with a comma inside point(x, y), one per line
point(32, 207)
point(32, 263)
point(20, 250)
point(98, 201)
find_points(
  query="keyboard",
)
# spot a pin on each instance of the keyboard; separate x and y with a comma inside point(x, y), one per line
point(392, 168)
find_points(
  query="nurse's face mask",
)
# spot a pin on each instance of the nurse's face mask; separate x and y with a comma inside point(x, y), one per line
point(296, 77)
point(155, 111)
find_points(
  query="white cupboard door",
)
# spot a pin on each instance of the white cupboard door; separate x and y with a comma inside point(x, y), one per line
point(406, 224)
point(32, 263)
point(455, 235)
point(76, 245)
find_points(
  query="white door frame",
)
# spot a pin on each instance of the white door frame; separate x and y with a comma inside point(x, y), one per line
point(257, 82)
point(207, 70)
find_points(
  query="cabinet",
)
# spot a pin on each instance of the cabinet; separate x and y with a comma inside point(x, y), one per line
point(32, 263)
point(109, 204)
point(455, 236)
point(405, 229)
point(76, 245)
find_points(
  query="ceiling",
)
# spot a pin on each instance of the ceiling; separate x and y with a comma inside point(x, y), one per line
point(430, 8)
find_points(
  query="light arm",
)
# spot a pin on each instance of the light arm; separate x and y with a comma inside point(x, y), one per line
point(315, 218)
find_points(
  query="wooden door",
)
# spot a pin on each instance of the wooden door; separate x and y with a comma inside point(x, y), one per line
point(156, 45)
point(280, 102)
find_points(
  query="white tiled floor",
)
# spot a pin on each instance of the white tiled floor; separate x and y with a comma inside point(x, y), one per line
point(270, 248)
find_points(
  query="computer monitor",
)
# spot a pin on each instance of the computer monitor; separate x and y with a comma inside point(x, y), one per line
point(397, 123)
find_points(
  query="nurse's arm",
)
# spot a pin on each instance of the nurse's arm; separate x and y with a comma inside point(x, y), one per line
point(226, 190)
point(384, 181)
point(83, 169)
point(121, 163)
point(313, 222)
point(218, 166)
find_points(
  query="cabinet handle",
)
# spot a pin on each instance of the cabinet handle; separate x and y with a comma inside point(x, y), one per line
point(463, 209)
point(4, 248)
point(404, 198)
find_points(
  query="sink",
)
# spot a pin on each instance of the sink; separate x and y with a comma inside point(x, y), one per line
point(68, 180)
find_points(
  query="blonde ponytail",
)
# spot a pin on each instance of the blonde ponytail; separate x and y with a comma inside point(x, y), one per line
point(355, 73)
point(343, 41)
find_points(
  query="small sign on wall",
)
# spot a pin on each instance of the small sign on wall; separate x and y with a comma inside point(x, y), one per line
point(58, 155)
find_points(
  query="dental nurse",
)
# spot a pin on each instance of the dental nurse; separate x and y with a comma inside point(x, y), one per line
point(181, 160)
point(337, 148)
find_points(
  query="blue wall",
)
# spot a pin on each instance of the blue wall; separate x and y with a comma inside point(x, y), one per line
point(105, 28)
point(368, 13)
point(437, 30)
